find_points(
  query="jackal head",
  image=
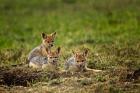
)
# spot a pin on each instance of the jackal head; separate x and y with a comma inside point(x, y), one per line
point(80, 58)
point(53, 56)
point(48, 40)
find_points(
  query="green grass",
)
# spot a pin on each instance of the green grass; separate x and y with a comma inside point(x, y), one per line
point(109, 28)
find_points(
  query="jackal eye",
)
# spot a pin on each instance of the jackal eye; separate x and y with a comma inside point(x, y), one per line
point(83, 60)
point(78, 61)
point(55, 57)
point(45, 58)
point(51, 57)
point(52, 41)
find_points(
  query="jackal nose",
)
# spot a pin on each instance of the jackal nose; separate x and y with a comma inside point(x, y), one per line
point(53, 61)
point(81, 65)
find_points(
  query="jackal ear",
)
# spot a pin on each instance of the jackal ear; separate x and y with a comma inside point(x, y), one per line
point(48, 51)
point(85, 52)
point(53, 34)
point(73, 52)
point(58, 50)
point(43, 35)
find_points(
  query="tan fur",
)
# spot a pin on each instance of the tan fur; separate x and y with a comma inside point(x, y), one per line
point(78, 62)
point(51, 60)
point(34, 65)
point(47, 42)
point(94, 70)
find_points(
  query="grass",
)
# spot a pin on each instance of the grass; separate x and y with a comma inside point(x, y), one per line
point(109, 28)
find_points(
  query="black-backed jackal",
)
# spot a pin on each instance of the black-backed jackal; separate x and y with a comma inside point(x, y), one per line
point(39, 53)
point(78, 62)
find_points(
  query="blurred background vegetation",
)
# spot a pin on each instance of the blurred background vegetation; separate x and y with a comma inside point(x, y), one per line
point(109, 28)
point(75, 21)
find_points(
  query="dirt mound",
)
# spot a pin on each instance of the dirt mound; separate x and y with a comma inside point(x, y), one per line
point(23, 76)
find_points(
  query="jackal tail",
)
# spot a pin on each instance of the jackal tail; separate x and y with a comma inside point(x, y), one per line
point(94, 70)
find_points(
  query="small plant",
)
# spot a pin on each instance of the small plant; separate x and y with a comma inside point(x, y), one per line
point(85, 81)
point(100, 78)
point(55, 82)
point(113, 89)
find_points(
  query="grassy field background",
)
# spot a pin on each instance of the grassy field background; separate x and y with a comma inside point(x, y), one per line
point(109, 28)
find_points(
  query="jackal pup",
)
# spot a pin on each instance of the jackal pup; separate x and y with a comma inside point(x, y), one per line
point(49, 62)
point(47, 42)
point(77, 62)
